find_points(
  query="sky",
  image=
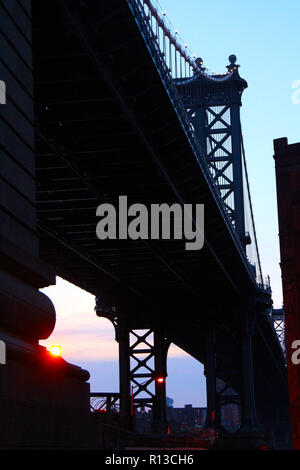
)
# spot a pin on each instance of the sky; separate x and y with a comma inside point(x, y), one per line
point(264, 35)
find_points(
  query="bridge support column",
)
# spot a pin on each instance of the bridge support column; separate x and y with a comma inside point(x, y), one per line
point(249, 419)
point(210, 380)
point(143, 371)
point(124, 372)
point(160, 363)
point(249, 436)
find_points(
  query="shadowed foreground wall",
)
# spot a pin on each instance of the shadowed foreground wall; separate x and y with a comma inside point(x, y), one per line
point(43, 401)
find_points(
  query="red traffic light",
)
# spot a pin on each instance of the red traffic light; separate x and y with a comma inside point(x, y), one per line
point(160, 380)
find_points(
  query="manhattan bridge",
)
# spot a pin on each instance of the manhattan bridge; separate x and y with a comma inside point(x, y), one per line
point(122, 107)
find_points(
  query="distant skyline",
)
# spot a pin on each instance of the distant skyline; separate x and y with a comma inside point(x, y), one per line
point(264, 35)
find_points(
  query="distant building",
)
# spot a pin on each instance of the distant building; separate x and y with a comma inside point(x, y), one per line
point(143, 420)
point(169, 402)
point(186, 419)
point(189, 419)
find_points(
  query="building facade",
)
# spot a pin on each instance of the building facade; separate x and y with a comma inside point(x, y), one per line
point(287, 164)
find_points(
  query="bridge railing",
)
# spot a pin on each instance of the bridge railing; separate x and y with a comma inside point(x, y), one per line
point(105, 402)
point(178, 56)
point(155, 33)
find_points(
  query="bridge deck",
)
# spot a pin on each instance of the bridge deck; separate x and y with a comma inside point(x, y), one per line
point(105, 127)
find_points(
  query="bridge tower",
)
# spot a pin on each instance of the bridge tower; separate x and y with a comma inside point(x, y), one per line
point(213, 105)
point(143, 350)
point(278, 321)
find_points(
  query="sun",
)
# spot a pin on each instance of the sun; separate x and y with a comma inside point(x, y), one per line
point(55, 350)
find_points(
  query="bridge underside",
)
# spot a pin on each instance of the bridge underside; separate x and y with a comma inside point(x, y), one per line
point(105, 127)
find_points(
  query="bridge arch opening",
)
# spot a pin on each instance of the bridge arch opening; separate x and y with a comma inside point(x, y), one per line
point(186, 392)
point(85, 339)
point(89, 341)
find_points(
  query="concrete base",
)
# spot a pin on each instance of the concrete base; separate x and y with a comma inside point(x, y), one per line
point(44, 401)
point(241, 440)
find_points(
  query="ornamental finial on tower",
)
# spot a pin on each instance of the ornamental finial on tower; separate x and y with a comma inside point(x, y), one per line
point(199, 64)
point(232, 63)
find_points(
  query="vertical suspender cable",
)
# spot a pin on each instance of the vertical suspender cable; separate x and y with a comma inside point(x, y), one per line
point(251, 208)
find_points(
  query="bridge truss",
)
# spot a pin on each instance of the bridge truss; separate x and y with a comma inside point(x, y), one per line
point(165, 152)
point(212, 122)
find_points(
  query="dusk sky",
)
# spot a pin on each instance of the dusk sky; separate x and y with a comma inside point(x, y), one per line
point(264, 35)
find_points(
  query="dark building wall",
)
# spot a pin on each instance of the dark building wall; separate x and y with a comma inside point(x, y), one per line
point(25, 312)
point(287, 162)
point(43, 401)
